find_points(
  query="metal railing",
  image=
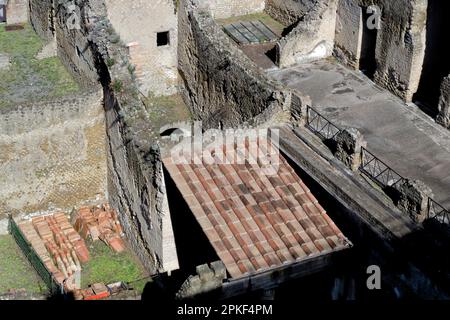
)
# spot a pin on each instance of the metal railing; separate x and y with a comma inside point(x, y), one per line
point(373, 167)
point(386, 177)
point(438, 212)
point(320, 125)
point(379, 171)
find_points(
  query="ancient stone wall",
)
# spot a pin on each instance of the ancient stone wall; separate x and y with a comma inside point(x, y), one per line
point(138, 22)
point(222, 87)
point(349, 32)
point(312, 38)
point(220, 9)
point(288, 12)
point(444, 103)
point(73, 43)
point(16, 11)
point(41, 17)
point(208, 278)
point(91, 52)
point(400, 43)
point(53, 154)
point(401, 46)
point(131, 187)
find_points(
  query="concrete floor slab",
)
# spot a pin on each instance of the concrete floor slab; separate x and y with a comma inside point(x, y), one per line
point(400, 134)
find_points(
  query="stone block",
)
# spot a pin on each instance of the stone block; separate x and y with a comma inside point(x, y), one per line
point(220, 272)
point(348, 144)
point(413, 199)
point(205, 273)
point(299, 104)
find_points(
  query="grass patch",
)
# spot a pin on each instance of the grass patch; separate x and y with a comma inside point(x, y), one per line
point(264, 17)
point(166, 109)
point(16, 271)
point(30, 79)
point(108, 266)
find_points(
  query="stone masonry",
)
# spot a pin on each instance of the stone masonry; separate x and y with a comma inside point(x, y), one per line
point(17, 11)
point(157, 64)
point(53, 154)
point(348, 147)
point(220, 9)
point(288, 12)
point(444, 103)
point(222, 86)
point(208, 278)
point(400, 46)
point(312, 38)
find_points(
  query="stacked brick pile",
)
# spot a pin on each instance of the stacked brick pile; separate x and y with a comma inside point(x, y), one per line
point(100, 223)
point(58, 245)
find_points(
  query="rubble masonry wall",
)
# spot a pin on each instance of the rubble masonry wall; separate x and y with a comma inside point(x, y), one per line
point(288, 12)
point(92, 53)
point(312, 38)
point(444, 103)
point(400, 41)
point(222, 87)
point(41, 13)
point(53, 154)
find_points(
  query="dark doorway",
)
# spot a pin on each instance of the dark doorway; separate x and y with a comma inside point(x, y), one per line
point(2, 13)
point(436, 64)
point(368, 62)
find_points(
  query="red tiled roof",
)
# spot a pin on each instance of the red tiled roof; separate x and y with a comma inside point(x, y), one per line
point(254, 221)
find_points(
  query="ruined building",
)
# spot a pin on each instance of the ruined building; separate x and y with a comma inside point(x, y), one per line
point(355, 93)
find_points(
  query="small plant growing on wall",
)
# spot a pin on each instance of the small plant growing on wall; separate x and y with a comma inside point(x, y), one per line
point(131, 69)
point(117, 86)
point(110, 62)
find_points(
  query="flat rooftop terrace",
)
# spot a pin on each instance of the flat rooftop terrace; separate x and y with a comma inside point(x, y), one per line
point(400, 134)
point(23, 77)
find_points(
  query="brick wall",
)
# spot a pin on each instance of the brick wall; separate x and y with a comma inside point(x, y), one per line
point(53, 154)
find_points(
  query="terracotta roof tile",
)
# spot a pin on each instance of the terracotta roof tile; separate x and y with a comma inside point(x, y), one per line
point(255, 221)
